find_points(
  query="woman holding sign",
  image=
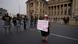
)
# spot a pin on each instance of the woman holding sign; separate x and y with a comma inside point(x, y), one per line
point(44, 27)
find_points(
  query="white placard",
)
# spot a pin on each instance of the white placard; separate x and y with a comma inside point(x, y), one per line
point(42, 25)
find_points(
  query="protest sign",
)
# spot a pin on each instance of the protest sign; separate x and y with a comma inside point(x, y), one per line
point(42, 25)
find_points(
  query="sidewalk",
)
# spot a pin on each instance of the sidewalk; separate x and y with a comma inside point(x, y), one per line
point(73, 23)
point(70, 23)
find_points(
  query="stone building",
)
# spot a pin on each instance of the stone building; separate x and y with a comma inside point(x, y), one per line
point(36, 8)
point(56, 9)
point(59, 8)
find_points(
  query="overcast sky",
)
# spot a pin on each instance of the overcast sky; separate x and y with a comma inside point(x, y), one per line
point(13, 6)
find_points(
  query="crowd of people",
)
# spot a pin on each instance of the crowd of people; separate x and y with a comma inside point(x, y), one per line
point(17, 21)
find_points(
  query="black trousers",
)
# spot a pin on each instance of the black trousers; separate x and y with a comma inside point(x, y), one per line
point(24, 26)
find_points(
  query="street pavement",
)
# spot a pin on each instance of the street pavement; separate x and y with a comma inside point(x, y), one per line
point(59, 34)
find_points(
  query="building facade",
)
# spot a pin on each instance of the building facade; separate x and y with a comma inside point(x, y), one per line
point(36, 7)
point(56, 9)
point(59, 8)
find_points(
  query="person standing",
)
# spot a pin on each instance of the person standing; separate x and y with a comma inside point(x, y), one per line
point(25, 19)
point(66, 20)
point(14, 21)
point(31, 21)
point(36, 18)
point(18, 22)
point(43, 33)
point(7, 22)
point(44, 29)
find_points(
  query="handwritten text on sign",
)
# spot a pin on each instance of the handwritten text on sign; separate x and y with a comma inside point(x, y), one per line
point(42, 25)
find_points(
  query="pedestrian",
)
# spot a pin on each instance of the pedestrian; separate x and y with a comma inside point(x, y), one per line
point(31, 21)
point(7, 22)
point(66, 20)
point(14, 21)
point(36, 18)
point(18, 22)
point(43, 33)
point(25, 19)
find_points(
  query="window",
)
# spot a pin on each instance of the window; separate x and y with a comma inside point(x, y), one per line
point(43, 11)
point(65, 11)
point(49, 8)
point(61, 5)
point(31, 5)
point(61, 10)
point(31, 12)
point(65, 5)
point(31, 0)
point(70, 4)
point(69, 11)
point(70, 0)
point(53, 0)
point(52, 6)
